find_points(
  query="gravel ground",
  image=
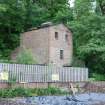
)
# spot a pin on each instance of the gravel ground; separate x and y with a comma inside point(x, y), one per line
point(9, 102)
point(81, 99)
point(12, 102)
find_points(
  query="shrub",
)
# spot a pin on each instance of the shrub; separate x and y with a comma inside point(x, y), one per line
point(53, 90)
point(26, 57)
point(16, 92)
point(12, 81)
point(77, 62)
point(99, 77)
point(49, 91)
point(22, 92)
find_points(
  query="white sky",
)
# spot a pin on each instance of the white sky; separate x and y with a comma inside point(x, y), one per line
point(71, 3)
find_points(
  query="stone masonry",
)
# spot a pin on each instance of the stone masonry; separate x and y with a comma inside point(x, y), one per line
point(49, 44)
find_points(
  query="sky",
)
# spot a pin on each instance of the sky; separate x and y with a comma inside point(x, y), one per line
point(71, 3)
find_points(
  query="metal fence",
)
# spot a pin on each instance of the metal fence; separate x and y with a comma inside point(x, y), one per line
point(37, 73)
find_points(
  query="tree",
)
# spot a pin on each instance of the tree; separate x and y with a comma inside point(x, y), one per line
point(82, 8)
point(11, 24)
point(85, 20)
point(53, 6)
point(17, 16)
point(89, 35)
point(101, 6)
point(64, 15)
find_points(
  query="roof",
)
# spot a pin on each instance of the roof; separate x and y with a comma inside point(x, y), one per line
point(45, 25)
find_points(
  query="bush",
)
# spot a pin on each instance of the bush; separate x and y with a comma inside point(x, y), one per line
point(6, 61)
point(22, 92)
point(12, 81)
point(48, 91)
point(99, 77)
point(16, 92)
point(26, 57)
point(77, 62)
point(53, 91)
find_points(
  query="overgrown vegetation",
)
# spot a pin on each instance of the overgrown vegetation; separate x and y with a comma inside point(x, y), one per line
point(22, 92)
point(17, 16)
point(99, 77)
point(26, 57)
point(85, 19)
point(11, 81)
point(14, 92)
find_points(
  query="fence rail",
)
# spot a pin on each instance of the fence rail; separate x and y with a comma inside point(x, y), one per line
point(37, 73)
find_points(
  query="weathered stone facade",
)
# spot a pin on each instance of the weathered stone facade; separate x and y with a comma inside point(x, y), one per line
point(50, 44)
point(55, 45)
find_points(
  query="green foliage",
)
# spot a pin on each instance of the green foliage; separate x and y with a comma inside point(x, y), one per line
point(100, 7)
point(89, 43)
point(17, 16)
point(64, 15)
point(26, 57)
point(78, 62)
point(88, 29)
point(12, 81)
point(82, 8)
point(11, 24)
point(99, 77)
point(5, 61)
point(22, 92)
point(48, 91)
point(14, 92)
point(3, 8)
point(53, 6)
point(85, 20)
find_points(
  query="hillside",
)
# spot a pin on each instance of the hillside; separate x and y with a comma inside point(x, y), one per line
point(85, 19)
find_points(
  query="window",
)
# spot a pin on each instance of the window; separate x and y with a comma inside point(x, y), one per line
point(56, 35)
point(61, 54)
point(66, 37)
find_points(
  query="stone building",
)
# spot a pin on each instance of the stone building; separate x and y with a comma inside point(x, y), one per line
point(48, 44)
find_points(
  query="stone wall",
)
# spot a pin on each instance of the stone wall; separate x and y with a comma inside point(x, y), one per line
point(37, 42)
point(44, 47)
point(60, 44)
point(82, 86)
point(45, 85)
